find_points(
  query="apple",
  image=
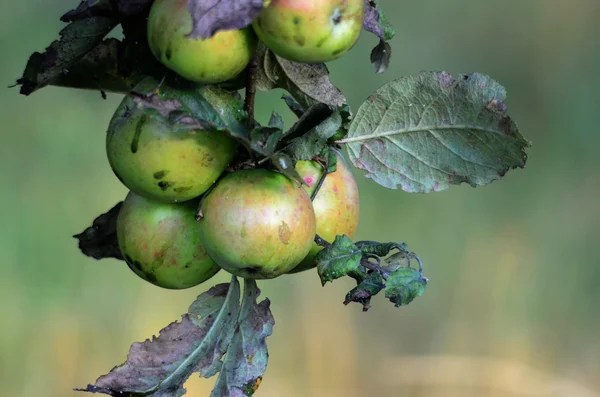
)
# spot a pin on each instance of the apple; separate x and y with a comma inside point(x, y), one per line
point(210, 61)
point(155, 158)
point(161, 244)
point(336, 205)
point(310, 31)
point(257, 224)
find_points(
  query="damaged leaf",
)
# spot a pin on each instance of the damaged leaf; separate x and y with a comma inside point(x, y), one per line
point(160, 366)
point(76, 40)
point(99, 241)
point(211, 16)
point(338, 260)
point(216, 335)
point(425, 133)
point(246, 359)
point(307, 83)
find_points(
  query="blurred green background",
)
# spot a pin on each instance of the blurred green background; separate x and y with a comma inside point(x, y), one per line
point(512, 307)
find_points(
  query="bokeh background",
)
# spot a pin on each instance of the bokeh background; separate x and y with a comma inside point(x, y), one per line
point(513, 304)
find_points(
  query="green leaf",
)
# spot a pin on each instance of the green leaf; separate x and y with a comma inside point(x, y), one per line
point(294, 106)
point(308, 84)
point(369, 286)
point(99, 241)
point(311, 143)
point(160, 366)
point(380, 249)
point(276, 121)
point(286, 166)
point(187, 107)
point(264, 140)
point(76, 40)
point(338, 260)
point(246, 359)
point(404, 285)
point(425, 133)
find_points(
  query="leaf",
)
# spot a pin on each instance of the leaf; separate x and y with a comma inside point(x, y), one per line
point(160, 366)
point(211, 16)
point(425, 133)
point(286, 166)
point(380, 249)
point(404, 285)
point(380, 56)
point(76, 40)
point(307, 83)
point(369, 286)
point(186, 107)
point(107, 8)
point(312, 117)
point(99, 241)
point(338, 260)
point(310, 144)
point(294, 106)
point(376, 22)
point(264, 140)
point(276, 121)
point(246, 359)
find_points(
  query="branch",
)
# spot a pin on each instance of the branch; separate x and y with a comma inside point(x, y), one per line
point(251, 91)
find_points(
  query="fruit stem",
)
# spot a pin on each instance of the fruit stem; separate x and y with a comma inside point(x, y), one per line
point(251, 71)
point(322, 179)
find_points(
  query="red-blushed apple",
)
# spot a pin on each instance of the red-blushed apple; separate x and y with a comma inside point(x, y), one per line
point(336, 205)
point(257, 224)
point(161, 244)
point(310, 31)
point(213, 60)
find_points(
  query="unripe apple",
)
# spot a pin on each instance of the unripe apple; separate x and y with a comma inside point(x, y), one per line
point(257, 224)
point(160, 243)
point(213, 60)
point(310, 31)
point(336, 205)
point(155, 158)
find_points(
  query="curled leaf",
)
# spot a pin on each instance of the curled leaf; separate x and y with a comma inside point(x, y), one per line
point(309, 84)
point(404, 285)
point(338, 260)
point(99, 241)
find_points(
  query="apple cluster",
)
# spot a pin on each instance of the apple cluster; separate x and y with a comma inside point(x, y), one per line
point(308, 31)
point(256, 223)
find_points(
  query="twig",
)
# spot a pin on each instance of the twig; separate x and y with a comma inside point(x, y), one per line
point(321, 241)
point(321, 179)
point(251, 90)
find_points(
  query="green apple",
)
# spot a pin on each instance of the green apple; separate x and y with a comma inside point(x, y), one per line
point(310, 31)
point(161, 244)
point(155, 158)
point(214, 60)
point(336, 205)
point(257, 224)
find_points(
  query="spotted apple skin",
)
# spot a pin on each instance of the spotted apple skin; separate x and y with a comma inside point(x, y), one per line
point(153, 158)
point(310, 31)
point(216, 59)
point(161, 244)
point(336, 206)
point(257, 224)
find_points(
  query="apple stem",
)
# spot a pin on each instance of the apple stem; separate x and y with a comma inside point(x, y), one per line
point(322, 179)
point(251, 71)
